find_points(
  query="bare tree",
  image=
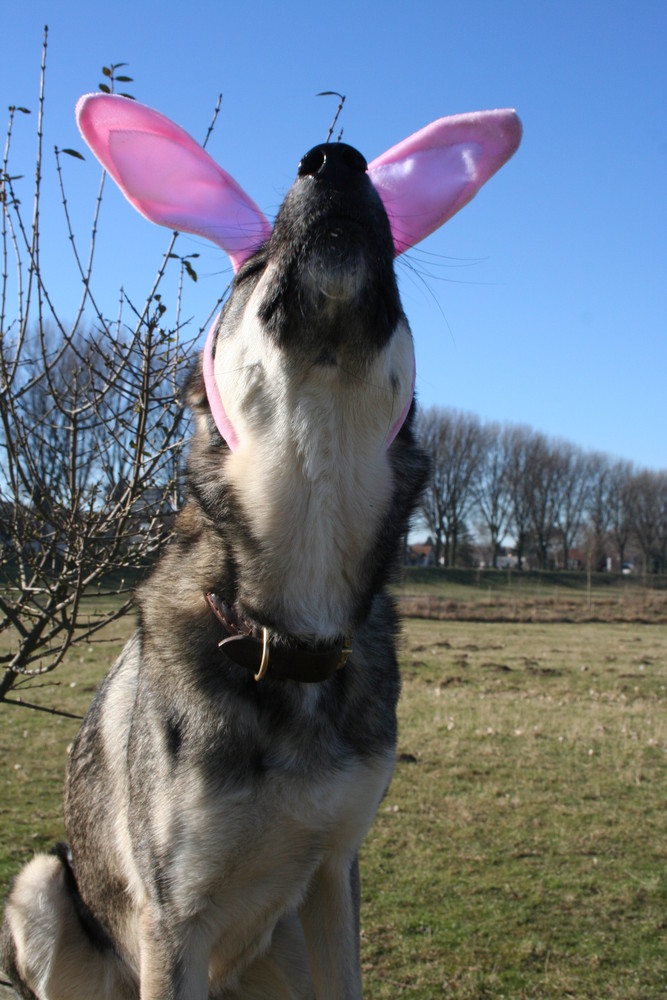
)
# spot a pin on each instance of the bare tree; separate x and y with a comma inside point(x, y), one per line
point(661, 534)
point(649, 510)
point(535, 490)
point(621, 506)
point(573, 488)
point(518, 482)
point(454, 443)
point(492, 491)
point(543, 493)
point(433, 503)
point(598, 508)
point(89, 435)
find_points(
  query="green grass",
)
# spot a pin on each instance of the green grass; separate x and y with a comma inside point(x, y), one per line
point(521, 850)
point(34, 745)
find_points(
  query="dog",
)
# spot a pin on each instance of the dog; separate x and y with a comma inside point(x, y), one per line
point(234, 757)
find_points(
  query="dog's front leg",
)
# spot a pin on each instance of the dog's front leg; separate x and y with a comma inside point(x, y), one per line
point(172, 967)
point(330, 918)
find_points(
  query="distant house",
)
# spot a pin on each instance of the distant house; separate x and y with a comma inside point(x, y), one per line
point(506, 560)
point(576, 559)
point(420, 555)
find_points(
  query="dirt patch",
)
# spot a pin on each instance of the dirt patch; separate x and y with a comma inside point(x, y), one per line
point(644, 608)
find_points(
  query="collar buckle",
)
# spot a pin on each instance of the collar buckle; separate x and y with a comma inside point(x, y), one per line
point(292, 661)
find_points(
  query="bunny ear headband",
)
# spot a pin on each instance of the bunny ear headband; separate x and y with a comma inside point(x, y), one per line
point(172, 181)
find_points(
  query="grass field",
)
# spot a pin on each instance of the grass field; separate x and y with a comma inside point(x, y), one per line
point(522, 849)
point(521, 852)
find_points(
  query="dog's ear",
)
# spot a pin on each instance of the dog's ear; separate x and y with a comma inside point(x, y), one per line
point(168, 177)
point(433, 173)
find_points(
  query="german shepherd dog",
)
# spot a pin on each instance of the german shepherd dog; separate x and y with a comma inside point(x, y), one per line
point(234, 757)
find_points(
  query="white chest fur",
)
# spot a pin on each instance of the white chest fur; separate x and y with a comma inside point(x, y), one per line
point(311, 470)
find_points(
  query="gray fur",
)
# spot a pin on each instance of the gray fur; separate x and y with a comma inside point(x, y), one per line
point(206, 812)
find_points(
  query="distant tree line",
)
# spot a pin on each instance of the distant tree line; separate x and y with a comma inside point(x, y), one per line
point(492, 482)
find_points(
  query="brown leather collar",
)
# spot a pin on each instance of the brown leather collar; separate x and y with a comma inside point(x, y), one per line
point(248, 646)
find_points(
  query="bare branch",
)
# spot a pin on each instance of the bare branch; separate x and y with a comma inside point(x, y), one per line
point(92, 424)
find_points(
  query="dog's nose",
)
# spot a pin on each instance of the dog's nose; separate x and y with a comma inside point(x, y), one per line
point(333, 162)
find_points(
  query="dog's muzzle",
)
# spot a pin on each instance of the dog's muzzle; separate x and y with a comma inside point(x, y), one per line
point(249, 647)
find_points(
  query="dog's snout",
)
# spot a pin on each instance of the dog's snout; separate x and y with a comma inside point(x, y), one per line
point(331, 286)
point(332, 162)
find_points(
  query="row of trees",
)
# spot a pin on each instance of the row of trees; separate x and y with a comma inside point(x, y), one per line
point(548, 496)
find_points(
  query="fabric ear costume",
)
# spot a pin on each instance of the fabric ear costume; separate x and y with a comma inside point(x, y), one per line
point(172, 181)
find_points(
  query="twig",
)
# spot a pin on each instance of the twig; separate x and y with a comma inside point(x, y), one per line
point(333, 93)
point(40, 708)
point(216, 112)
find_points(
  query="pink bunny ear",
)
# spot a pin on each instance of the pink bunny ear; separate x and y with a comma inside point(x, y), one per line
point(428, 177)
point(168, 177)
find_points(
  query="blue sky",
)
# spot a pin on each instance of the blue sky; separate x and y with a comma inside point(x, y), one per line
point(544, 302)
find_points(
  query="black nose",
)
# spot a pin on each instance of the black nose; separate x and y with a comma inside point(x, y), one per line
point(333, 162)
